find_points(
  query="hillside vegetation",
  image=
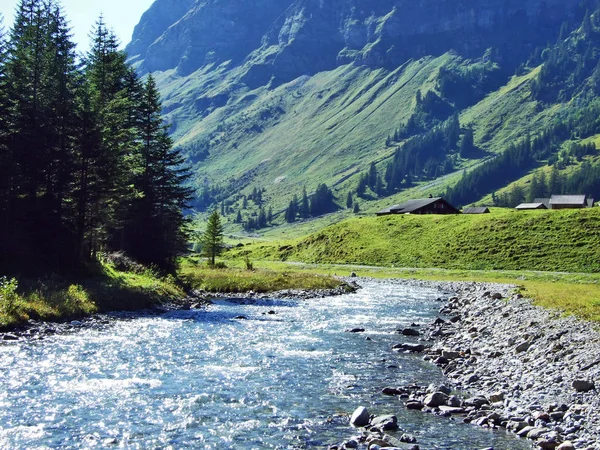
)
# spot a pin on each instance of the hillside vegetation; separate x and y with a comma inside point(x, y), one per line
point(397, 101)
point(564, 240)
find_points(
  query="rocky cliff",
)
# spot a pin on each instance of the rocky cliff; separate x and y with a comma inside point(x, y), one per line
point(285, 38)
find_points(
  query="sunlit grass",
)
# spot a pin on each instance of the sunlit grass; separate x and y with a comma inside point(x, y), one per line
point(58, 299)
point(238, 279)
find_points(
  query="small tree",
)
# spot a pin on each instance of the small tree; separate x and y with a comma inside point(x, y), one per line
point(212, 239)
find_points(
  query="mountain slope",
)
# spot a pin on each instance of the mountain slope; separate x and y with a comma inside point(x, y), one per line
point(285, 95)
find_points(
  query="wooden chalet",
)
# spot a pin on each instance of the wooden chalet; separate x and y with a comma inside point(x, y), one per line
point(433, 205)
point(525, 206)
point(568, 201)
point(476, 210)
point(559, 202)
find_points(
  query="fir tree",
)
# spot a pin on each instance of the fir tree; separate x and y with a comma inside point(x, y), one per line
point(212, 239)
point(349, 200)
point(304, 205)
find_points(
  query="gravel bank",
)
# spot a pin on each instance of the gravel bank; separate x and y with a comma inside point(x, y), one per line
point(510, 365)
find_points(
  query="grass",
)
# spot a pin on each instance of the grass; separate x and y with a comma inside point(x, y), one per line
point(55, 298)
point(564, 240)
point(238, 279)
point(575, 294)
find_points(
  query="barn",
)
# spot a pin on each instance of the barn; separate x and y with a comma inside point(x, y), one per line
point(433, 205)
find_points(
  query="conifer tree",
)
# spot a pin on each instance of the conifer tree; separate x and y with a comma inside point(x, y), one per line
point(349, 200)
point(212, 239)
point(304, 205)
point(155, 232)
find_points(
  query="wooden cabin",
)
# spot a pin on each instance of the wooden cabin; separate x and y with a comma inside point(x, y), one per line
point(433, 205)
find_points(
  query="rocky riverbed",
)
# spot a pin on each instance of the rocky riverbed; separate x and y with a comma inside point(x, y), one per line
point(509, 365)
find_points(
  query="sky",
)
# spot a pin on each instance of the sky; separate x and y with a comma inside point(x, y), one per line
point(120, 15)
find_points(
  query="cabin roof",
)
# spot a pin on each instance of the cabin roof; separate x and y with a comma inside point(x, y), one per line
point(476, 210)
point(538, 205)
point(568, 200)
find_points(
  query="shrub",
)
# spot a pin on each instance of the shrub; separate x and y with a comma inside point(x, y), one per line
point(8, 294)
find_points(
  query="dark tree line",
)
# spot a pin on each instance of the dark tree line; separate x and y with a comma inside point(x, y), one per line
point(86, 163)
point(518, 159)
point(321, 202)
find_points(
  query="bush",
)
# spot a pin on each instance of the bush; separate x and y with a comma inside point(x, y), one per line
point(8, 294)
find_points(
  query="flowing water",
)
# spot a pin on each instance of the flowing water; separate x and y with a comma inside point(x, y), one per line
point(204, 379)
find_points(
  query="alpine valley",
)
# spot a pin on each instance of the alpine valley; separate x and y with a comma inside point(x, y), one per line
point(356, 105)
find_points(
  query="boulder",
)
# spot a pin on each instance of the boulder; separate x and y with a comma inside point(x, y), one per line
point(583, 385)
point(415, 404)
point(360, 417)
point(356, 330)
point(385, 422)
point(567, 445)
point(410, 332)
point(435, 399)
point(392, 391)
point(407, 346)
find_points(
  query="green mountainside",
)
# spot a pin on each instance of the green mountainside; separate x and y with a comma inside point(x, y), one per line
point(380, 103)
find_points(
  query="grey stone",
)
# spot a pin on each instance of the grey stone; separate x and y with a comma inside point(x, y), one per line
point(583, 385)
point(410, 332)
point(435, 399)
point(385, 422)
point(407, 346)
point(360, 417)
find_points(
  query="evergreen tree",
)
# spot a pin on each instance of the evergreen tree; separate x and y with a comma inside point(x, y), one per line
point(304, 205)
point(262, 218)
point(292, 210)
point(155, 223)
point(356, 208)
point(349, 200)
point(467, 147)
point(372, 176)
point(212, 239)
point(270, 215)
point(238, 218)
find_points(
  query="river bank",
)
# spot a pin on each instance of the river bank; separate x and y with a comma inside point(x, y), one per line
point(511, 365)
point(195, 299)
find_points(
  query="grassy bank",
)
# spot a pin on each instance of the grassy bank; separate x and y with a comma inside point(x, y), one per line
point(568, 293)
point(237, 278)
point(57, 298)
point(504, 240)
point(120, 284)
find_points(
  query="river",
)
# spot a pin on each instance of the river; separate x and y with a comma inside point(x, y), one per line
point(208, 379)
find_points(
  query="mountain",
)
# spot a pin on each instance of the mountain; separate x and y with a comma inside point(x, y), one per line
point(270, 97)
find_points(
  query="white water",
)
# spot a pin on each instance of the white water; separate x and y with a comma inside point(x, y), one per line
point(201, 379)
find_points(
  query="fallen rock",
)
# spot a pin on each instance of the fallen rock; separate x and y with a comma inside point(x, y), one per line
point(407, 346)
point(410, 332)
point(360, 417)
point(385, 422)
point(435, 399)
point(583, 385)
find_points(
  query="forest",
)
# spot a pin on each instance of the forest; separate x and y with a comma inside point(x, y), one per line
point(86, 162)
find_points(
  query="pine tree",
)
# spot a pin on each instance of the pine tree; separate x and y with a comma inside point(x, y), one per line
point(304, 205)
point(349, 200)
point(372, 177)
point(212, 239)
point(238, 218)
point(270, 215)
point(155, 224)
